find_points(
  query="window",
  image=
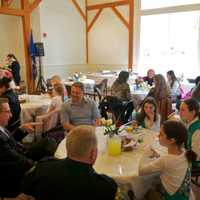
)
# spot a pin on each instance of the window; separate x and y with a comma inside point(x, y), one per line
point(149, 4)
point(170, 41)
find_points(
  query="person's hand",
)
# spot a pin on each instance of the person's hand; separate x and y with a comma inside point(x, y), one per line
point(29, 127)
point(23, 197)
point(154, 154)
point(151, 116)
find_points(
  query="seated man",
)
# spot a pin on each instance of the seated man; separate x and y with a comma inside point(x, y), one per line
point(14, 160)
point(74, 176)
point(79, 110)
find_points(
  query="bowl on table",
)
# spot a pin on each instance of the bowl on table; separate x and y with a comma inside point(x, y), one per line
point(128, 143)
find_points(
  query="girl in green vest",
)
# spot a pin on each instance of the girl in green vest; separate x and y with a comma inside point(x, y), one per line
point(148, 116)
point(189, 113)
point(174, 168)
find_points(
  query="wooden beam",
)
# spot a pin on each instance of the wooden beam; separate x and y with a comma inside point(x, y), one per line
point(11, 11)
point(24, 4)
point(6, 3)
point(24, 12)
point(130, 48)
point(34, 5)
point(79, 9)
point(108, 5)
point(118, 14)
point(26, 32)
point(94, 19)
point(86, 32)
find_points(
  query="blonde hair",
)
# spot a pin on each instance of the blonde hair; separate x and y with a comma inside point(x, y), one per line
point(58, 87)
point(80, 141)
point(56, 79)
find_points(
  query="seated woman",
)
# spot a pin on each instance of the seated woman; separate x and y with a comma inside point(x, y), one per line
point(149, 79)
point(56, 79)
point(13, 101)
point(58, 97)
point(161, 93)
point(174, 85)
point(120, 87)
point(148, 116)
point(174, 168)
point(189, 112)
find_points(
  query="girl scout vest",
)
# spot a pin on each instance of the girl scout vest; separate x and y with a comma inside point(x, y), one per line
point(183, 192)
point(192, 128)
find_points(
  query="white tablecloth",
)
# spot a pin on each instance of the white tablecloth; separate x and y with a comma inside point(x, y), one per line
point(34, 105)
point(123, 168)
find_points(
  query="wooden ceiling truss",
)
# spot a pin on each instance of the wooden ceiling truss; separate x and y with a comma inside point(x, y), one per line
point(113, 6)
point(25, 13)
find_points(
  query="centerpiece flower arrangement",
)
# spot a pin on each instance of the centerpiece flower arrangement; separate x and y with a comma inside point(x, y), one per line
point(5, 73)
point(109, 128)
point(113, 141)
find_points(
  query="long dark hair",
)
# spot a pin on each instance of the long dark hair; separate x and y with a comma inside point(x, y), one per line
point(161, 89)
point(193, 105)
point(197, 80)
point(141, 116)
point(173, 77)
point(176, 130)
point(123, 77)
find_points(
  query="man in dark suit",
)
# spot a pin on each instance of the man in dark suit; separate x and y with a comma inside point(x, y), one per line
point(73, 177)
point(15, 160)
point(13, 164)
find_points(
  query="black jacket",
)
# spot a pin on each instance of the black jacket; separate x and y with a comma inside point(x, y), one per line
point(15, 68)
point(13, 164)
point(68, 179)
point(15, 109)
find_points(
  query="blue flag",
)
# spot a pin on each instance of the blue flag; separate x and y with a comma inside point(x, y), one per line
point(32, 52)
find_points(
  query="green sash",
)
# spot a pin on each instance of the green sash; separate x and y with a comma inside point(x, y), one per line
point(192, 128)
point(183, 192)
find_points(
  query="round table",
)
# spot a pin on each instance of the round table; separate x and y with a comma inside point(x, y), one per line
point(124, 167)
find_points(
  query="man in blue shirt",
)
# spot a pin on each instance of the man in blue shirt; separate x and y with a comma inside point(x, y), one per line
point(79, 110)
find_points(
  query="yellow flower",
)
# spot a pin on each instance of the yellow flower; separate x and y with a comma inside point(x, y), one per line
point(109, 122)
point(103, 121)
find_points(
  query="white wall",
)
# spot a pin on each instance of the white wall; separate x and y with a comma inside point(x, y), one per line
point(65, 41)
point(11, 38)
point(108, 40)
